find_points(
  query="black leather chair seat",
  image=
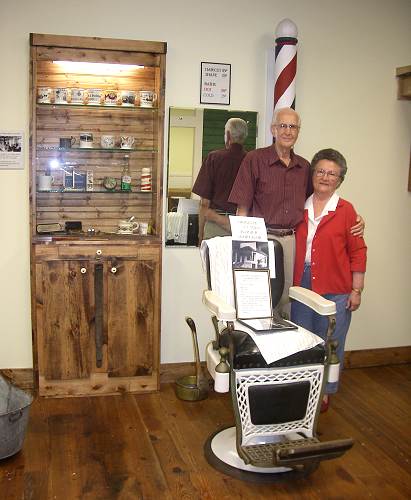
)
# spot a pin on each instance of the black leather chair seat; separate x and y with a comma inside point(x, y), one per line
point(247, 355)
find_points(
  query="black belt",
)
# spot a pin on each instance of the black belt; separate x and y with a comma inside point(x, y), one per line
point(222, 212)
point(280, 232)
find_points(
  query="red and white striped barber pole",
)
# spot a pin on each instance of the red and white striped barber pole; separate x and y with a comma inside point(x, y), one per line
point(282, 69)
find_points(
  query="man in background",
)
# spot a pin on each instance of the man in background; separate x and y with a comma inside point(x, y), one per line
point(215, 180)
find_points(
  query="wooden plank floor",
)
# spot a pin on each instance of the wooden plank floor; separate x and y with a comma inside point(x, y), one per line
point(151, 447)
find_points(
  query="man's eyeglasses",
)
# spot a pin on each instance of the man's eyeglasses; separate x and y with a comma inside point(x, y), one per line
point(290, 126)
point(320, 172)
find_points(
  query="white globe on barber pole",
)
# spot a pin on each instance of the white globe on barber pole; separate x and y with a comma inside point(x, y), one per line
point(285, 66)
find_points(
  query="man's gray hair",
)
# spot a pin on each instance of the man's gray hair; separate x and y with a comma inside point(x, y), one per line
point(280, 110)
point(238, 129)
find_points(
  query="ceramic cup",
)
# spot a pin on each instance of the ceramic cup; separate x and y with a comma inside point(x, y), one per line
point(128, 97)
point(86, 140)
point(44, 94)
point(78, 96)
point(147, 98)
point(127, 227)
point(110, 97)
point(143, 229)
point(62, 95)
point(45, 182)
point(67, 142)
point(127, 141)
point(94, 96)
point(107, 141)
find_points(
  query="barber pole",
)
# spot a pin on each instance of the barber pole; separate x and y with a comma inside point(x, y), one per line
point(285, 66)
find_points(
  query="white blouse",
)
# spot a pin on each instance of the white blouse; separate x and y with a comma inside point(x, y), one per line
point(314, 221)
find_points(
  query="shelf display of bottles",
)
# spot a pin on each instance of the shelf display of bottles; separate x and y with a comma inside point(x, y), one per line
point(97, 130)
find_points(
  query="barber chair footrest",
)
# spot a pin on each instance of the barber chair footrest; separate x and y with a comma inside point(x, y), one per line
point(305, 451)
point(261, 455)
point(294, 453)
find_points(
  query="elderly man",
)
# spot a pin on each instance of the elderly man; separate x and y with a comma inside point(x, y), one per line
point(273, 183)
point(215, 180)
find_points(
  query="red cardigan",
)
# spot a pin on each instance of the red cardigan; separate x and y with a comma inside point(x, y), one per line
point(335, 253)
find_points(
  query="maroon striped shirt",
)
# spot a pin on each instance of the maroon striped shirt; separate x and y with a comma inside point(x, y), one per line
point(270, 189)
point(217, 175)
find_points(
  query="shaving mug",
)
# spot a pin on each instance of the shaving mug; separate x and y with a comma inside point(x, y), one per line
point(147, 98)
point(107, 141)
point(67, 142)
point(78, 96)
point(45, 182)
point(86, 140)
point(110, 97)
point(44, 94)
point(126, 226)
point(128, 97)
point(62, 95)
point(94, 96)
point(127, 141)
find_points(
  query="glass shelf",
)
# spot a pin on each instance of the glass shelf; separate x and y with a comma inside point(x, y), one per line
point(97, 106)
point(95, 191)
point(90, 150)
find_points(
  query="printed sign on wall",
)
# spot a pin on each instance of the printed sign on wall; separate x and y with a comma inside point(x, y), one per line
point(215, 83)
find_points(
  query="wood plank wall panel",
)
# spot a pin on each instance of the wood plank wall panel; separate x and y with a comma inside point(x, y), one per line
point(53, 75)
point(109, 44)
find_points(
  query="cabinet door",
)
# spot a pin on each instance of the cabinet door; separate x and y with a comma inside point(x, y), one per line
point(133, 319)
point(64, 312)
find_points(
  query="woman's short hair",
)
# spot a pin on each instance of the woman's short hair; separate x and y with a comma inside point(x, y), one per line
point(238, 129)
point(331, 155)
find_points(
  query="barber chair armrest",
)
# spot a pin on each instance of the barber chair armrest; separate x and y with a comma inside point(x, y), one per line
point(313, 300)
point(218, 306)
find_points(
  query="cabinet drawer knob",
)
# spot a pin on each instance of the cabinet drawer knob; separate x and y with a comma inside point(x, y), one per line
point(114, 270)
point(99, 252)
point(83, 270)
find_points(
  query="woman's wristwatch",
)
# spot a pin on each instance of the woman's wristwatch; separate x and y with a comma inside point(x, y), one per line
point(358, 290)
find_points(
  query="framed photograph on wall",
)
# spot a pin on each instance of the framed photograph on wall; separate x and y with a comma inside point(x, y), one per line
point(215, 85)
point(11, 150)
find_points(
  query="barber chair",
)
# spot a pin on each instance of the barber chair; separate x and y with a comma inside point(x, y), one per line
point(276, 405)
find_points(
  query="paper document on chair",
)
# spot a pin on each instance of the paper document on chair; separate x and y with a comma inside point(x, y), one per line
point(282, 343)
point(252, 293)
point(248, 228)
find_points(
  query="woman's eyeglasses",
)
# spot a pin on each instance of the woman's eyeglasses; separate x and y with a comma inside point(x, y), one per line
point(320, 172)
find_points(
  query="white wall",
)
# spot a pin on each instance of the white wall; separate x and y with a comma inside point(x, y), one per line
point(346, 94)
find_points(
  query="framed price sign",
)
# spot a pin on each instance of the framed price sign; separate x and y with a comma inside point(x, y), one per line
point(215, 83)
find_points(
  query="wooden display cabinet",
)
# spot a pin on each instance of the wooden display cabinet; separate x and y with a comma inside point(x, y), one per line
point(96, 294)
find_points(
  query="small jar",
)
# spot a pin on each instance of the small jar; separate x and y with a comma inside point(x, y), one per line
point(145, 179)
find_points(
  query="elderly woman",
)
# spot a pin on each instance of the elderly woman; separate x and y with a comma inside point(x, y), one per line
point(329, 259)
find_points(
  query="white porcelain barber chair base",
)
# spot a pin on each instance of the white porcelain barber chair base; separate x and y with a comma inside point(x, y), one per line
point(220, 451)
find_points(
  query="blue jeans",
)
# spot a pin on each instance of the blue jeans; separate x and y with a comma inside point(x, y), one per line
point(309, 319)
